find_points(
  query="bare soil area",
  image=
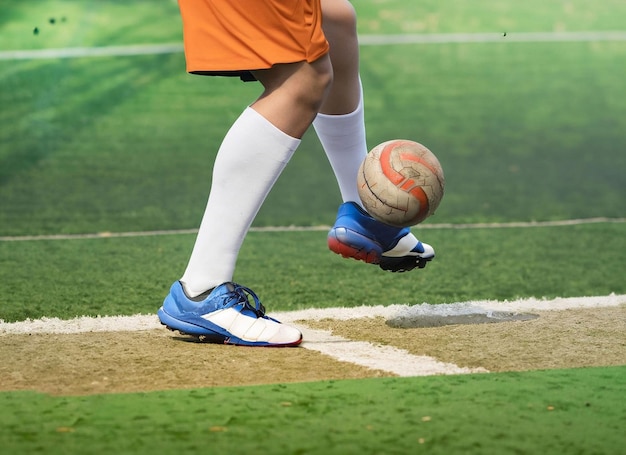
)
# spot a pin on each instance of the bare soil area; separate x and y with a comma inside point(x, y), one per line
point(90, 363)
point(556, 339)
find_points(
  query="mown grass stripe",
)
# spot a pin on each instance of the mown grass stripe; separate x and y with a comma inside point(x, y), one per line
point(514, 224)
point(365, 40)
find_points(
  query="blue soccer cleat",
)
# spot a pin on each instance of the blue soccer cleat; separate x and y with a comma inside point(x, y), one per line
point(359, 236)
point(229, 314)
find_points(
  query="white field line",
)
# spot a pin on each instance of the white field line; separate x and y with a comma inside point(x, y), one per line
point(477, 307)
point(81, 52)
point(362, 353)
point(365, 40)
point(378, 357)
point(514, 224)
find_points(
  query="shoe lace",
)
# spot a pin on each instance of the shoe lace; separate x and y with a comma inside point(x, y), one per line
point(246, 297)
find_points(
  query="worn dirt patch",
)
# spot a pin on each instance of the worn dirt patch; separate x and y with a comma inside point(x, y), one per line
point(556, 339)
point(108, 362)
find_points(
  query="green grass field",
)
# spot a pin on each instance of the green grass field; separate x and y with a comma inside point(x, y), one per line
point(540, 412)
point(525, 132)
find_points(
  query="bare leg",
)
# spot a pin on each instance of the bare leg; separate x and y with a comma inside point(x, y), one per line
point(339, 24)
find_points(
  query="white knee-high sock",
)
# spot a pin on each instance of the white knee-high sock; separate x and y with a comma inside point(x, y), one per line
point(252, 156)
point(343, 139)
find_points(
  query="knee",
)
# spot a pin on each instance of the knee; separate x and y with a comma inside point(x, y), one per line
point(305, 84)
point(315, 86)
point(325, 74)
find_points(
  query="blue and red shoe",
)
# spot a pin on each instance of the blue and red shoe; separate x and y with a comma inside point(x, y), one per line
point(359, 236)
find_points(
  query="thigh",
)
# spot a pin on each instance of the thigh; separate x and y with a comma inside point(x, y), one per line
point(340, 30)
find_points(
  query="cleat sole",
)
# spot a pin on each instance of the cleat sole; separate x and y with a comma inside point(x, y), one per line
point(403, 264)
point(205, 335)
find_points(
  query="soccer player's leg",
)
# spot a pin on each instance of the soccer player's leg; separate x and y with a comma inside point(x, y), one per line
point(340, 126)
point(253, 154)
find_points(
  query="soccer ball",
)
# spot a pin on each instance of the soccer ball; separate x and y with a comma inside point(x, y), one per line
point(400, 183)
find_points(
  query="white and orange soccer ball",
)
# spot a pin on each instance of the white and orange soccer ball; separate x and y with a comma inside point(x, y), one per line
point(401, 183)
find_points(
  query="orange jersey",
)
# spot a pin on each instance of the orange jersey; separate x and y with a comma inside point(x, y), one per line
point(232, 37)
